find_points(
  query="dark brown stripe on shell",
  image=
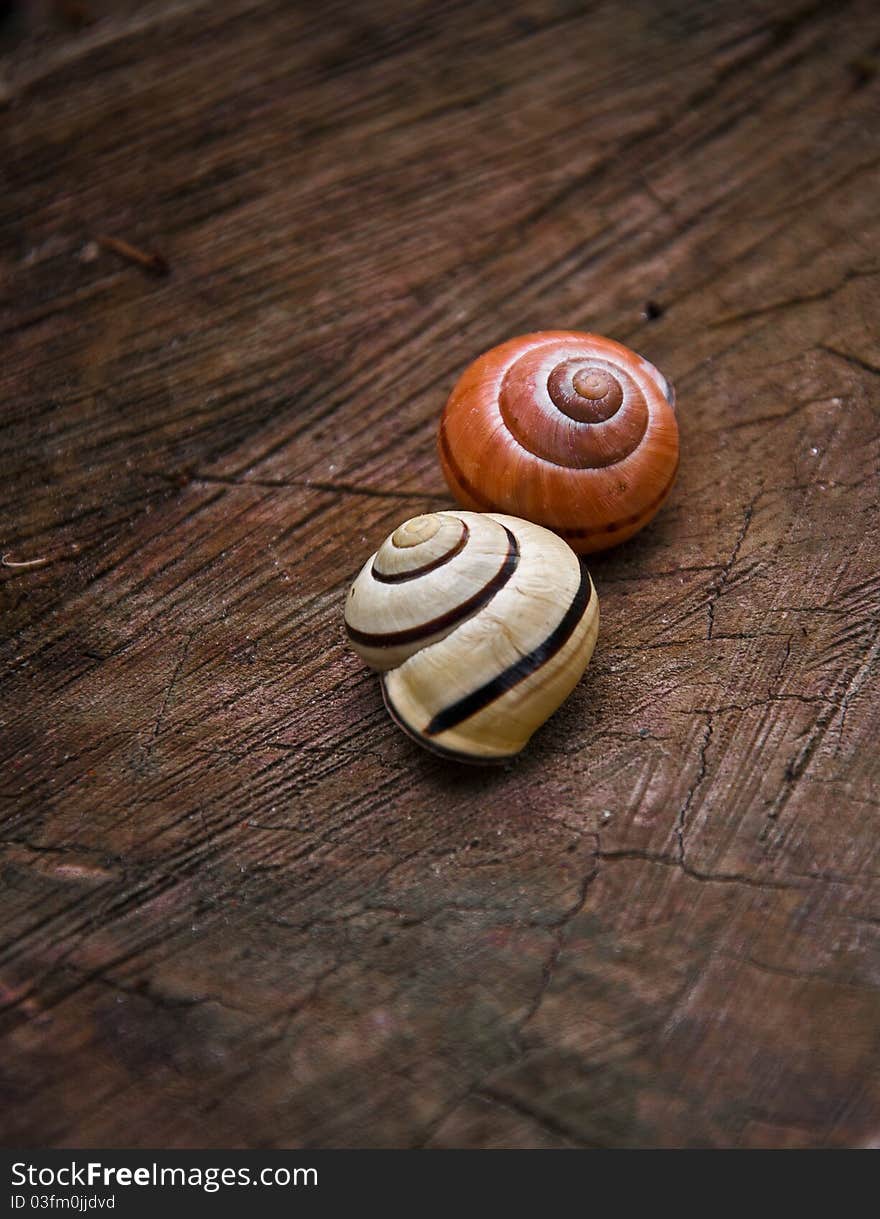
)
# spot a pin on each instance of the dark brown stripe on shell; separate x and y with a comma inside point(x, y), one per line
point(451, 618)
point(441, 751)
point(399, 577)
point(479, 699)
point(486, 505)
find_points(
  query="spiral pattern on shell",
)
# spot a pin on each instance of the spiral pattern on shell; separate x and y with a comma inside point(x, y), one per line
point(570, 430)
point(480, 624)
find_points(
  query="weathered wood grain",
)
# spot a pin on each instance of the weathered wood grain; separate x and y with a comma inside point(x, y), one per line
point(238, 906)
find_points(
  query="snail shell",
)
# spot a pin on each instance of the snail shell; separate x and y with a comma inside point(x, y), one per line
point(481, 626)
point(570, 430)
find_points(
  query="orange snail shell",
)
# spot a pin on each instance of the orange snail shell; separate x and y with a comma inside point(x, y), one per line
point(570, 430)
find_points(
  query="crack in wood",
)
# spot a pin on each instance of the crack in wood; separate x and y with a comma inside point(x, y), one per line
point(718, 586)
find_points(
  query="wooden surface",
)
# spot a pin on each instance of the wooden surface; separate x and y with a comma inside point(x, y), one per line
point(238, 906)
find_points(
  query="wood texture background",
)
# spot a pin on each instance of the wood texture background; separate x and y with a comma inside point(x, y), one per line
point(238, 906)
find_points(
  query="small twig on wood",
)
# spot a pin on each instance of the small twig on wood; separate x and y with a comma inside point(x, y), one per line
point(7, 562)
point(69, 552)
point(148, 259)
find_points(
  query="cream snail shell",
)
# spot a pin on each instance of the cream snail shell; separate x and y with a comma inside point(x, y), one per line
point(480, 624)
